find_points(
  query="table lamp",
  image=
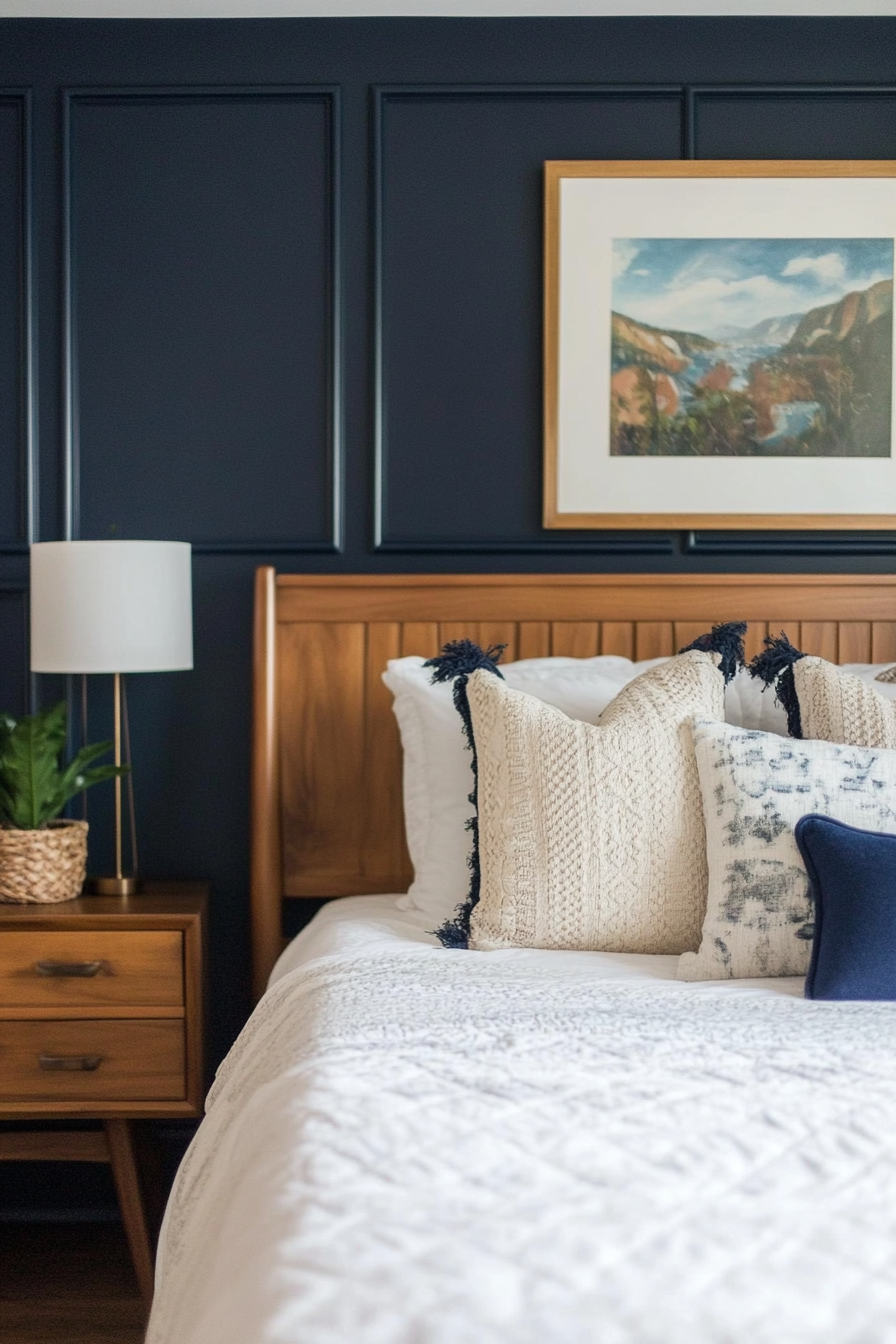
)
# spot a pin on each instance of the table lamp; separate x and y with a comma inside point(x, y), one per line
point(113, 607)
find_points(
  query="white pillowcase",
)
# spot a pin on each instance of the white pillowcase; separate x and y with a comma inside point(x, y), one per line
point(750, 704)
point(437, 776)
point(868, 672)
point(755, 788)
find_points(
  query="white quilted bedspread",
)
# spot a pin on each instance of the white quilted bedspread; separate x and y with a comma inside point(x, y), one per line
point(428, 1147)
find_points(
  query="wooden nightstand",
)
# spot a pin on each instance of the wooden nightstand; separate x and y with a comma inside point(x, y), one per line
point(101, 1005)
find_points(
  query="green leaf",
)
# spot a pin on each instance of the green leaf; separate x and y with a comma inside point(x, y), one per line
point(77, 777)
point(6, 806)
point(80, 763)
point(28, 768)
point(100, 773)
point(33, 789)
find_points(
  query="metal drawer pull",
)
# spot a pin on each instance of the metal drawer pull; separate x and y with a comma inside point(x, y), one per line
point(69, 1063)
point(69, 968)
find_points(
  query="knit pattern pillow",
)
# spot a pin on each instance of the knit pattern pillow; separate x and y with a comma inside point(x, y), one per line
point(824, 702)
point(591, 837)
point(756, 787)
point(836, 706)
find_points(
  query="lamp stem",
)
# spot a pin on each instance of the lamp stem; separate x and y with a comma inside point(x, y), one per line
point(128, 760)
point(119, 885)
point(118, 867)
point(83, 737)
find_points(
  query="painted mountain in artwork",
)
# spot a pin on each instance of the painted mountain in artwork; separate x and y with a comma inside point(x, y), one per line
point(772, 329)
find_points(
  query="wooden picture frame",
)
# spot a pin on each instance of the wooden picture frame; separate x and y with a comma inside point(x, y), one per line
point(804, 440)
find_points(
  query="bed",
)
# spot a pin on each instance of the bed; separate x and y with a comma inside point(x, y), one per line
point(410, 1143)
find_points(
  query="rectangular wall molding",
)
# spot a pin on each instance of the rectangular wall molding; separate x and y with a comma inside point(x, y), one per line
point(385, 542)
point(18, 374)
point(601, 544)
point(329, 541)
point(789, 543)
point(17, 692)
point(702, 100)
point(697, 104)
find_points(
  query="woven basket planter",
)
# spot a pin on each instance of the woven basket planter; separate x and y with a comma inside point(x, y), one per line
point(45, 866)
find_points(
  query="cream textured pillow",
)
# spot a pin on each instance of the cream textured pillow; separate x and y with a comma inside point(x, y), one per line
point(836, 706)
point(436, 773)
point(591, 837)
point(756, 787)
point(828, 703)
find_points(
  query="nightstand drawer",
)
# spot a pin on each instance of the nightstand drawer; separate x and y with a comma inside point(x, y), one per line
point(99, 1061)
point(70, 968)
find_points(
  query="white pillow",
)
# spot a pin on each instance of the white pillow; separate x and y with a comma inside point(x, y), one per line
point(869, 672)
point(437, 775)
point(755, 788)
point(750, 704)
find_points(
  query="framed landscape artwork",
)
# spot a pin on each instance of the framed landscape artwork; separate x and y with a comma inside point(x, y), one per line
point(719, 344)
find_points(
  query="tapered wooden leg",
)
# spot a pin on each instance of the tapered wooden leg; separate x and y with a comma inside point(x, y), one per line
point(130, 1200)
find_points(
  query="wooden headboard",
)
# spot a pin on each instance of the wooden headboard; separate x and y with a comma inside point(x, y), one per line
point(326, 759)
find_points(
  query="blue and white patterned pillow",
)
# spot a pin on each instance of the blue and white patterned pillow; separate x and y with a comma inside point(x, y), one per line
point(755, 788)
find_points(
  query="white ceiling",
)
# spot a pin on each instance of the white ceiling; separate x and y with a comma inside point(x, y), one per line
point(239, 9)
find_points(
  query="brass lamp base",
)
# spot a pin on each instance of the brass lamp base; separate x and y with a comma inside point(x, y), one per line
point(119, 885)
point(113, 886)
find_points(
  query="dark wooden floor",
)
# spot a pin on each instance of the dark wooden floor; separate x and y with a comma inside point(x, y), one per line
point(67, 1284)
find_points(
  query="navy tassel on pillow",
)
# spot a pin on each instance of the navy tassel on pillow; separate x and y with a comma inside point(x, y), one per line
point(727, 640)
point(775, 665)
point(457, 661)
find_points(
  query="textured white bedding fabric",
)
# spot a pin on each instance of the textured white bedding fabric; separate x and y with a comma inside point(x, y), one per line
point(409, 1145)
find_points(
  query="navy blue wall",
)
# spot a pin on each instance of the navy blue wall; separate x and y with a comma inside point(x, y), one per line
point(279, 292)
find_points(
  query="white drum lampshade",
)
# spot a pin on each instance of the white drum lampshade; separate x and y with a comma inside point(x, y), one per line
point(111, 606)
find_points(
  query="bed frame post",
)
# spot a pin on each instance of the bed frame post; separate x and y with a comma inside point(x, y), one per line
point(266, 882)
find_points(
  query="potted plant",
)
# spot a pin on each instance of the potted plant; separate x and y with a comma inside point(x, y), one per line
point(43, 856)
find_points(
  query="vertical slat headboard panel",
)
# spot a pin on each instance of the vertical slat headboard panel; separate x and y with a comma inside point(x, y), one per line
point(324, 716)
point(883, 641)
point(326, 764)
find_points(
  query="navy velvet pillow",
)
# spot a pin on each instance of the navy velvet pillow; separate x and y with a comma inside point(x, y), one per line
point(853, 877)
